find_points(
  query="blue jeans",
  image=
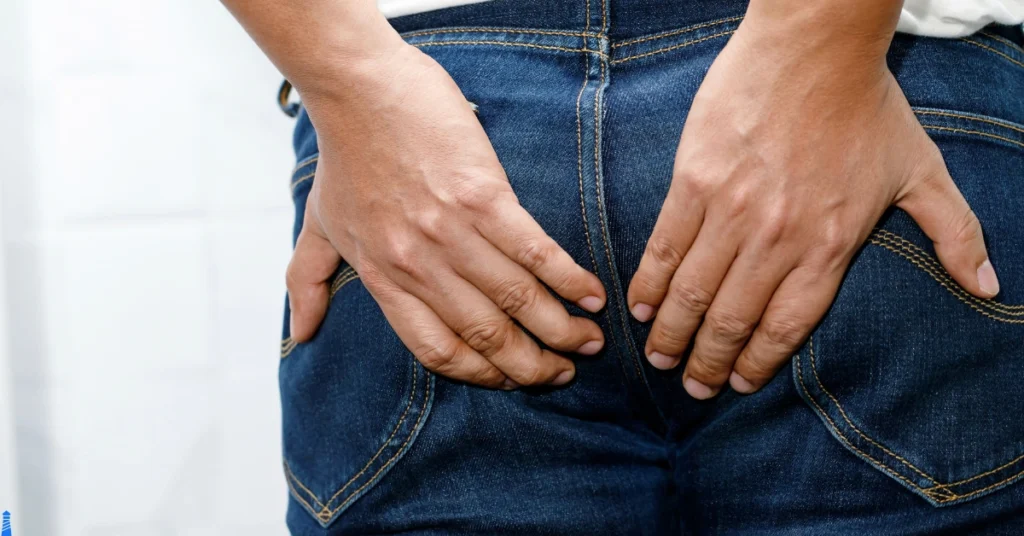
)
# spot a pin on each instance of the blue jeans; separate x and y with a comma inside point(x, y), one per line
point(903, 414)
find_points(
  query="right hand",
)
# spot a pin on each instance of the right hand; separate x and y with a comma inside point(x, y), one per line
point(409, 191)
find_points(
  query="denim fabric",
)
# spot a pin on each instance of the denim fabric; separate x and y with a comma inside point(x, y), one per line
point(901, 415)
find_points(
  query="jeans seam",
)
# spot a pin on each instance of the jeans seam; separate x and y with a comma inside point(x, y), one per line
point(939, 492)
point(1009, 58)
point(923, 261)
point(324, 513)
point(684, 44)
point(673, 33)
point(477, 42)
point(972, 133)
point(343, 278)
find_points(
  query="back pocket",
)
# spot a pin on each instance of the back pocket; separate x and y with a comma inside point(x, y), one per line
point(353, 398)
point(909, 371)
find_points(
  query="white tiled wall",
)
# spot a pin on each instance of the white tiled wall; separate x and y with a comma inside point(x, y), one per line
point(145, 230)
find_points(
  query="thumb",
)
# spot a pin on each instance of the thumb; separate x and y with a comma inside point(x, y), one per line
point(313, 263)
point(937, 205)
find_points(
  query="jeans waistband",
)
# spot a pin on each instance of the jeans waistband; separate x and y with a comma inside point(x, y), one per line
point(615, 19)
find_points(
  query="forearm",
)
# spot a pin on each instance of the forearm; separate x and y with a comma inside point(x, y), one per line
point(317, 44)
point(845, 33)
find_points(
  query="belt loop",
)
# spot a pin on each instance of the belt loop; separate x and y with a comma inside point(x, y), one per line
point(291, 109)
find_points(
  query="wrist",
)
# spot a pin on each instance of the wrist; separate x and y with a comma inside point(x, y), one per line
point(848, 34)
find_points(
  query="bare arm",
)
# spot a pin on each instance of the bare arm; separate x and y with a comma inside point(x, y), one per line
point(409, 192)
point(797, 142)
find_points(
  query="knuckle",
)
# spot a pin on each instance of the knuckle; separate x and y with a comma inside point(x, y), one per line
point(690, 296)
point(479, 198)
point(438, 358)
point(531, 374)
point(965, 228)
point(488, 336)
point(662, 249)
point(694, 184)
point(706, 370)
point(728, 328)
point(669, 339)
point(433, 224)
point(516, 296)
point(401, 254)
point(784, 333)
point(741, 199)
point(757, 367)
point(534, 254)
point(776, 226)
point(836, 242)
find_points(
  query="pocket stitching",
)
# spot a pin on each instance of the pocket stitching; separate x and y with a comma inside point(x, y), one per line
point(325, 514)
point(343, 278)
point(925, 263)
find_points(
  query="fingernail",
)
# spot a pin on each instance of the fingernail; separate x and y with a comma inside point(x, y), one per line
point(590, 348)
point(740, 384)
point(987, 278)
point(643, 312)
point(591, 303)
point(662, 361)
point(698, 390)
point(509, 385)
point(563, 378)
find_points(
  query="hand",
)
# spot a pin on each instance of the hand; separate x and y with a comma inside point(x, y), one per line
point(409, 191)
point(792, 151)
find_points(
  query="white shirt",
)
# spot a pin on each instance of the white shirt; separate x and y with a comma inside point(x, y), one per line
point(937, 18)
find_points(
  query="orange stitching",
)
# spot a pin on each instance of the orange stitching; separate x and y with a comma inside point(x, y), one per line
point(493, 30)
point(415, 377)
point(579, 146)
point(994, 51)
point(287, 350)
point(673, 47)
point(884, 468)
point(304, 163)
point(599, 187)
point(1004, 124)
point(938, 272)
point(976, 132)
point(996, 485)
point(680, 31)
point(817, 378)
point(325, 509)
point(506, 44)
point(423, 411)
point(1003, 40)
point(344, 277)
point(982, 475)
point(302, 179)
point(295, 493)
point(301, 485)
point(950, 288)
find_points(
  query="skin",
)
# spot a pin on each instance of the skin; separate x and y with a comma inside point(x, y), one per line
point(409, 191)
point(798, 140)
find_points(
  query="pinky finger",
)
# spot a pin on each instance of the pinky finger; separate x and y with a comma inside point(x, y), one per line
point(434, 344)
point(795, 308)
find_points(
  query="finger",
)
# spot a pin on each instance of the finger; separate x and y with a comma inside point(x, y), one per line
point(690, 294)
point(521, 296)
point(940, 209)
point(488, 330)
point(521, 238)
point(797, 306)
point(678, 224)
point(734, 313)
point(313, 262)
point(436, 346)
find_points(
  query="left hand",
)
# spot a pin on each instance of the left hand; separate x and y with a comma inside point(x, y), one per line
point(792, 150)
